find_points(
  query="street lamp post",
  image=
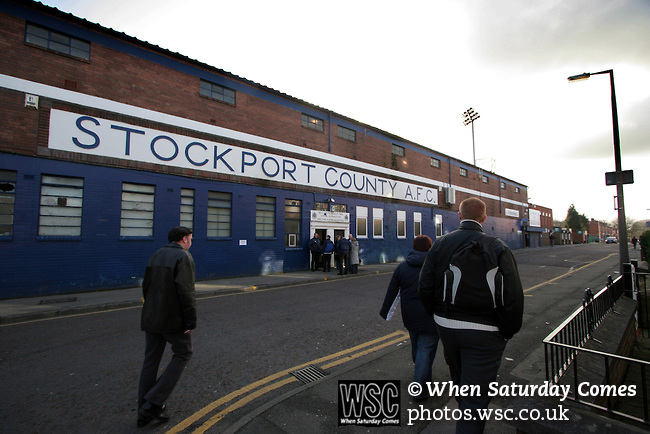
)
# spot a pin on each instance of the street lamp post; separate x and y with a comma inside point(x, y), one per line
point(624, 255)
point(470, 116)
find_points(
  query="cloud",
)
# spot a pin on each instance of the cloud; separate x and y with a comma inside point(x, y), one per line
point(553, 33)
point(634, 135)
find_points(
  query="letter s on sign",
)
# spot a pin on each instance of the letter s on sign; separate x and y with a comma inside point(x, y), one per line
point(80, 119)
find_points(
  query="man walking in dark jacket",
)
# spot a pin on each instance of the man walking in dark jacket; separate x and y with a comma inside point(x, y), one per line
point(168, 315)
point(420, 325)
point(474, 334)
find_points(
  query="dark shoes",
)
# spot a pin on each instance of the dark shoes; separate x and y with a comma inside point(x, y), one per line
point(149, 412)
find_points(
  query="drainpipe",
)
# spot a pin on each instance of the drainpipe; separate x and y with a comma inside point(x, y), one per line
point(329, 116)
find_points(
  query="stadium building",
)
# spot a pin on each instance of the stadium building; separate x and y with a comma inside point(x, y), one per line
point(106, 142)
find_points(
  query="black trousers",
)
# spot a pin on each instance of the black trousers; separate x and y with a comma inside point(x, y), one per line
point(327, 261)
point(474, 358)
point(315, 261)
point(153, 389)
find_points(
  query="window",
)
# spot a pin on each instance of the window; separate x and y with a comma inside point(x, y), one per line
point(362, 222)
point(321, 206)
point(398, 150)
point(187, 208)
point(503, 185)
point(516, 189)
point(7, 201)
point(338, 207)
point(401, 224)
point(219, 214)
point(417, 224)
point(346, 133)
point(485, 179)
point(435, 162)
point(313, 123)
point(463, 171)
point(137, 210)
point(292, 217)
point(55, 41)
point(60, 210)
point(438, 220)
point(214, 91)
point(265, 217)
point(377, 223)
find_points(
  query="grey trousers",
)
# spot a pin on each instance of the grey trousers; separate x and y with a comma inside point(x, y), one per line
point(155, 390)
point(474, 358)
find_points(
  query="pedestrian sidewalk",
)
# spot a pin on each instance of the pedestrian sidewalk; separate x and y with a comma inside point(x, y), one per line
point(49, 306)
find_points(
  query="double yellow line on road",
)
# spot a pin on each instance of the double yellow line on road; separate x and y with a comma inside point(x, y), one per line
point(249, 393)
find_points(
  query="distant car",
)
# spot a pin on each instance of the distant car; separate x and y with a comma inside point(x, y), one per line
point(610, 240)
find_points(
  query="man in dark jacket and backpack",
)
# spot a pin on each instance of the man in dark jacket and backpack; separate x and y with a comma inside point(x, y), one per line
point(168, 315)
point(420, 325)
point(477, 309)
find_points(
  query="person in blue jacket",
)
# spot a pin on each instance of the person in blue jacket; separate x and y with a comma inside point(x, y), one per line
point(420, 325)
point(328, 249)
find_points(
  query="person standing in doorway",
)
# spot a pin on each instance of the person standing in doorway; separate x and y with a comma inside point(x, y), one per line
point(342, 249)
point(354, 255)
point(328, 249)
point(168, 316)
point(315, 249)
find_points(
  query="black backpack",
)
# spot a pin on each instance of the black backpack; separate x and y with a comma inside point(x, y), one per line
point(473, 282)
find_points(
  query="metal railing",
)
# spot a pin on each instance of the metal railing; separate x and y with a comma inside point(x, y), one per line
point(566, 342)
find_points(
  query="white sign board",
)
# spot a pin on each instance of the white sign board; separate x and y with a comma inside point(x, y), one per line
point(96, 136)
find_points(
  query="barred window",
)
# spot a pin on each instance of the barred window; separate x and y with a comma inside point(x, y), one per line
point(438, 222)
point(265, 217)
point(219, 214)
point(7, 201)
point(313, 123)
point(61, 205)
point(215, 91)
point(56, 41)
point(378, 223)
point(346, 133)
point(187, 208)
point(398, 150)
point(292, 218)
point(401, 224)
point(362, 222)
point(137, 210)
point(417, 224)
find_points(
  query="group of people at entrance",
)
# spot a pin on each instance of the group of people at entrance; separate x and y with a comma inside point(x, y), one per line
point(344, 250)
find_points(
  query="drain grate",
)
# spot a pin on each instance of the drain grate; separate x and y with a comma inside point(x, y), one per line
point(309, 374)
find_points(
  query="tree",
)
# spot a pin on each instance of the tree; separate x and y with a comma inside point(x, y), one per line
point(576, 222)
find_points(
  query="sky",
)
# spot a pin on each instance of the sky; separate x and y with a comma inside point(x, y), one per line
point(412, 68)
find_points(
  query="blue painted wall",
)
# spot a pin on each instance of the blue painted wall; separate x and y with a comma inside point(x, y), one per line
point(100, 259)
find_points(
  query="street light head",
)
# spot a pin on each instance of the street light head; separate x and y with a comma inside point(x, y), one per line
point(583, 76)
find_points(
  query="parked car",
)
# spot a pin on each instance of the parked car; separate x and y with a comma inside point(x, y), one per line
point(610, 240)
